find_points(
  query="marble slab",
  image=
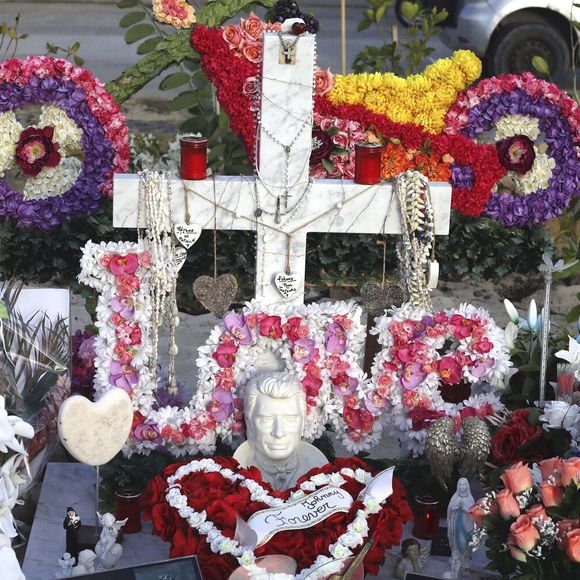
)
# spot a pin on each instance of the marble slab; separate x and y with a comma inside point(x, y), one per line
point(332, 206)
point(74, 484)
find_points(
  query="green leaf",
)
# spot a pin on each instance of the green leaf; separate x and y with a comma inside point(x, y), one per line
point(149, 45)
point(216, 151)
point(363, 25)
point(216, 12)
point(328, 165)
point(127, 3)
point(183, 101)
point(194, 125)
point(410, 10)
point(380, 12)
point(131, 18)
point(138, 32)
point(174, 80)
point(3, 310)
point(541, 65)
point(574, 314)
point(78, 60)
point(223, 120)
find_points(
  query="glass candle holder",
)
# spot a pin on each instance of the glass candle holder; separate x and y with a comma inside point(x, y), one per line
point(566, 382)
point(367, 163)
point(193, 157)
point(128, 506)
point(426, 517)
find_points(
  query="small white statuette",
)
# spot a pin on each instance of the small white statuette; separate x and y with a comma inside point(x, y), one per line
point(107, 550)
point(459, 529)
point(187, 234)
point(274, 408)
point(66, 563)
point(286, 284)
point(86, 563)
point(94, 433)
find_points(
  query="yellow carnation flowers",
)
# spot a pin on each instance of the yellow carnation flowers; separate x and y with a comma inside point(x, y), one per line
point(422, 100)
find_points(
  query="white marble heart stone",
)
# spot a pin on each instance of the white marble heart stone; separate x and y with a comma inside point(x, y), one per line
point(186, 233)
point(287, 284)
point(94, 433)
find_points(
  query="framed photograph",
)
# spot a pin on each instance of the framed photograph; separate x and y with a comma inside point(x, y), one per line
point(176, 569)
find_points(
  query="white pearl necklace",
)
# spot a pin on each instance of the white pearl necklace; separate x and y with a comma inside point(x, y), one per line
point(155, 196)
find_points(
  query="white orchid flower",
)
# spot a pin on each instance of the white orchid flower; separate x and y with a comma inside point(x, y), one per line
point(12, 427)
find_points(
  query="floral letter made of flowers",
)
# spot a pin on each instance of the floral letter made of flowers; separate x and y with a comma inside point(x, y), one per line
point(431, 365)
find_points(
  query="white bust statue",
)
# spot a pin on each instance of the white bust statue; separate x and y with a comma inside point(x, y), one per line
point(275, 408)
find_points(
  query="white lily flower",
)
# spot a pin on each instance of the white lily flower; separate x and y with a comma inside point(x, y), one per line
point(511, 311)
point(532, 315)
point(9, 484)
point(12, 427)
point(572, 355)
point(8, 561)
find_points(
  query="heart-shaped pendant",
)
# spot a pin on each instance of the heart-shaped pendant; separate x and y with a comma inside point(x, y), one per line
point(94, 433)
point(376, 298)
point(216, 294)
point(286, 284)
point(187, 234)
point(180, 255)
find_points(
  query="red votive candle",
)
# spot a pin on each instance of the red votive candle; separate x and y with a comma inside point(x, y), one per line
point(426, 517)
point(367, 163)
point(566, 382)
point(128, 507)
point(193, 157)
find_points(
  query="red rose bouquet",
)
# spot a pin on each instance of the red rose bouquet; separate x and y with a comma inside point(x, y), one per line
point(220, 490)
point(531, 527)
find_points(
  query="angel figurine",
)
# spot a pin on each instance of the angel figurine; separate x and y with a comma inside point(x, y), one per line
point(411, 559)
point(107, 550)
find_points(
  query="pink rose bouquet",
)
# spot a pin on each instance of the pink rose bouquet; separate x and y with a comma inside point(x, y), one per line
point(532, 527)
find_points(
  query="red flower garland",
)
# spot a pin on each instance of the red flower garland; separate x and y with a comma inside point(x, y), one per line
point(223, 500)
point(228, 72)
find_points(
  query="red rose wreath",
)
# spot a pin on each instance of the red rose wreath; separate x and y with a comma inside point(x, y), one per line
point(223, 500)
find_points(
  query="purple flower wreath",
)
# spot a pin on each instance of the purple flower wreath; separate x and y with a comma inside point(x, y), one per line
point(50, 81)
point(478, 109)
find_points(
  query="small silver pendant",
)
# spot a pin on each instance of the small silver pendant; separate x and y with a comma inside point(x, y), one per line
point(287, 55)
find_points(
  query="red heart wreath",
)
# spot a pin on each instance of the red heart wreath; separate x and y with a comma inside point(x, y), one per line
point(223, 500)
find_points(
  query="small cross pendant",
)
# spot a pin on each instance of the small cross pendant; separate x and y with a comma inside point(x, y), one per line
point(287, 55)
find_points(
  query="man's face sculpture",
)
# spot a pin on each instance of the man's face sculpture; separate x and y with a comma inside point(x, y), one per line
point(275, 427)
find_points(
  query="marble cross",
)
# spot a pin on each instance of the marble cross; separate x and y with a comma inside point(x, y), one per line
point(282, 184)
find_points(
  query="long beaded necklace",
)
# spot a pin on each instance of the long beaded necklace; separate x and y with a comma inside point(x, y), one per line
point(418, 235)
point(155, 197)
